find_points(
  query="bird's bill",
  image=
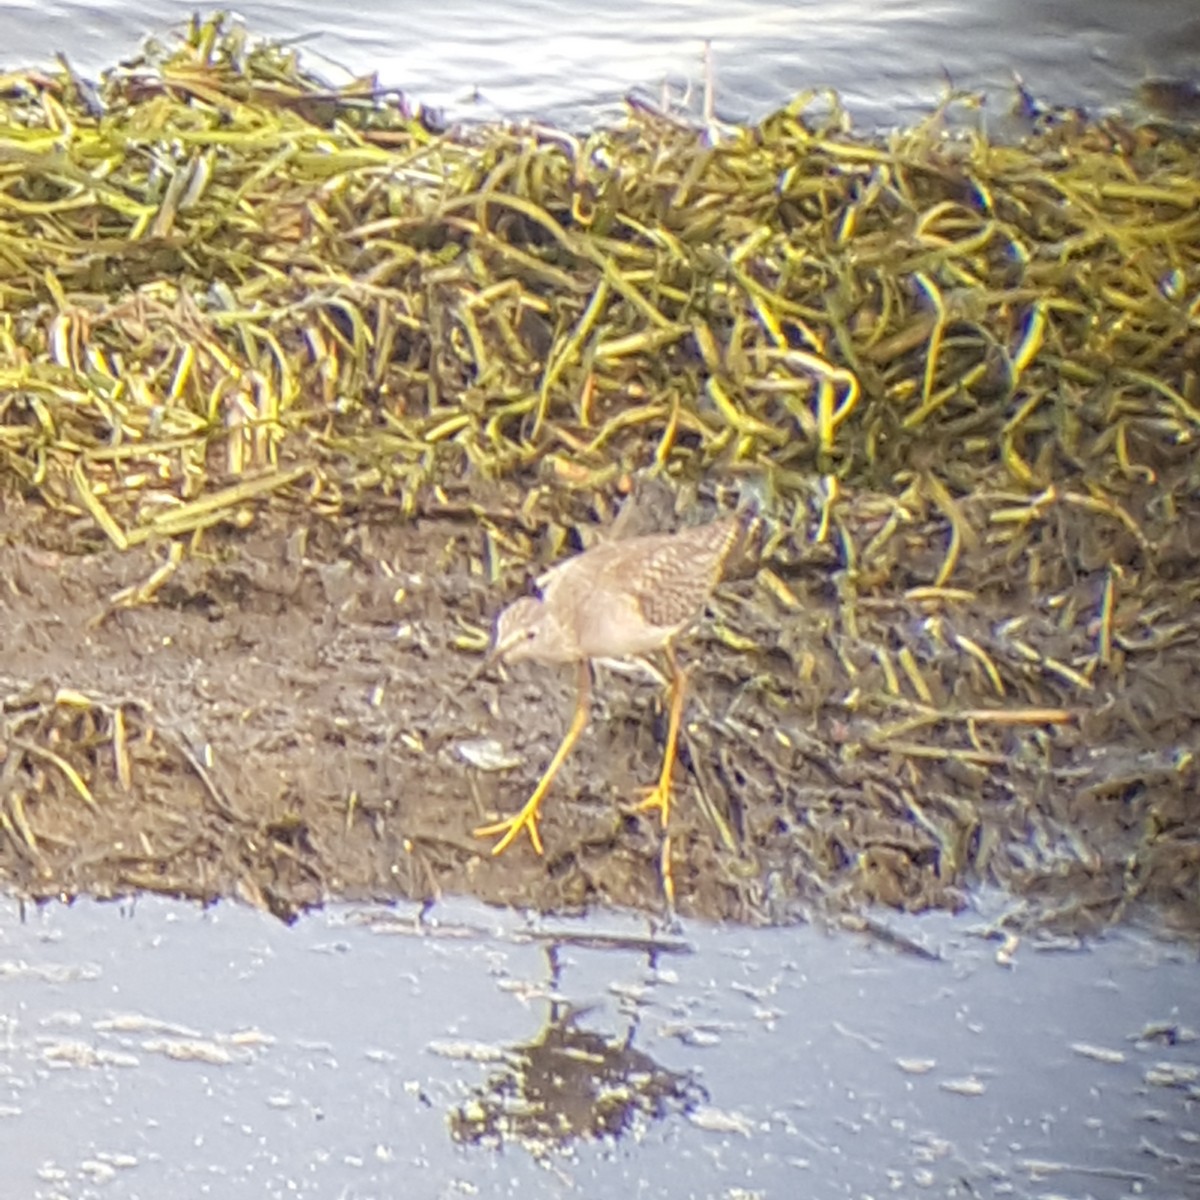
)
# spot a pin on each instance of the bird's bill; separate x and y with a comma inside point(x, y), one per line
point(501, 649)
point(495, 653)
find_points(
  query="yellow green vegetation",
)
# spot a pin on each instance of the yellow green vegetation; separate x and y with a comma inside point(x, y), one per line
point(222, 278)
point(965, 371)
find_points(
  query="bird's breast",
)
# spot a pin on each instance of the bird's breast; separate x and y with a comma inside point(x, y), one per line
point(614, 627)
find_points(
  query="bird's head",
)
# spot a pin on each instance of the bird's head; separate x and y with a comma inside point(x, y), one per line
point(525, 629)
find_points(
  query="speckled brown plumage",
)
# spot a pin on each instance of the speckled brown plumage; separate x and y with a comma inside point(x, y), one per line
point(620, 599)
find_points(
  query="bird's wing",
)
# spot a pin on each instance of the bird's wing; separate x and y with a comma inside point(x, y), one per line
point(668, 576)
point(675, 576)
point(667, 590)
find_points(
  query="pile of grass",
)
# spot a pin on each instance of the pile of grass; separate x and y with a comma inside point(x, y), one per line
point(223, 278)
point(968, 370)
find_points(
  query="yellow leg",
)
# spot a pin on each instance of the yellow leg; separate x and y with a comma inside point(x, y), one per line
point(664, 872)
point(511, 827)
point(660, 795)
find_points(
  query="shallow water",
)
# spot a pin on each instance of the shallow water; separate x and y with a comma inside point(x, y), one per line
point(153, 1049)
point(573, 60)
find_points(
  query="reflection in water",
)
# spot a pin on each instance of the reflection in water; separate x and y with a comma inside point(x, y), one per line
point(570, 1085)
point(373, 1053)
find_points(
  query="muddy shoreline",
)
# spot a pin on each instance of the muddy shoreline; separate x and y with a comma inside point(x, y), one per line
point(288, 722)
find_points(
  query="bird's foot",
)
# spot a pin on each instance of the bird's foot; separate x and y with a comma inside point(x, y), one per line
point(657, 798)
point(510, 829)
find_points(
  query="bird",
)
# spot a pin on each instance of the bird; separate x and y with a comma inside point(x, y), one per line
point(623, 598)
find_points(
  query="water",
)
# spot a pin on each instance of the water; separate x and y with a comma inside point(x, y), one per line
point(573, 60)
point(154, 1050)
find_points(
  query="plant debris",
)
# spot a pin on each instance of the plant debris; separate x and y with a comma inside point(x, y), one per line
point(282, 360)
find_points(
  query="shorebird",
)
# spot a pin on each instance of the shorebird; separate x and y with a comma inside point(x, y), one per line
point(620, 599)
